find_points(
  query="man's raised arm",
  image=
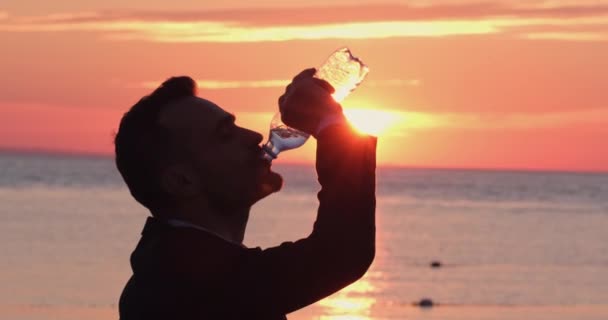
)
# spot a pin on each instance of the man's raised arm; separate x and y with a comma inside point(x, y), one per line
point(341, 246)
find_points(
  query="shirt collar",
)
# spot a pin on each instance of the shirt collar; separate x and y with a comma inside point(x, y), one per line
point(185, 224)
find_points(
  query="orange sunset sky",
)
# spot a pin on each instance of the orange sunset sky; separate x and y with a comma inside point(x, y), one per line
point(462, 83)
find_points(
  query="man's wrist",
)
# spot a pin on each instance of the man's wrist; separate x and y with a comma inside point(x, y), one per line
point(329, 120)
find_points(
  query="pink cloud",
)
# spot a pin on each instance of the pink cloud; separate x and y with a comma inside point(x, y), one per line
point(329, 14)
point(316, 23)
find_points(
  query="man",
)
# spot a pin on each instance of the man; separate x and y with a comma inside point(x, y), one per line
point(198, 173)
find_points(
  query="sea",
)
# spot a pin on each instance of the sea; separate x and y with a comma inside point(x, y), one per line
point(511, 244)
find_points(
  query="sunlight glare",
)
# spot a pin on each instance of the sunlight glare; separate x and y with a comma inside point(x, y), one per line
point(354, 302)
point(372, 121)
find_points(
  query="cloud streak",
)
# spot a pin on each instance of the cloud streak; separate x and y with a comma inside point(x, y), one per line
point(228, 33)
point(230, 84)
point(569, 36)
point(492, 122)
point(352, 22)
point(261, 17)
point(262, 84)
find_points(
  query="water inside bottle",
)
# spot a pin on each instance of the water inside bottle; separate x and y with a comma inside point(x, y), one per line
point(285, 138)
point(282, 138)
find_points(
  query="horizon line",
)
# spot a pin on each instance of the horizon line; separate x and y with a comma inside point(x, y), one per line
point(103, 155)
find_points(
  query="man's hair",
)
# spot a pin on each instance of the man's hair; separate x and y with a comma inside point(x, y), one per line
point(143, 147)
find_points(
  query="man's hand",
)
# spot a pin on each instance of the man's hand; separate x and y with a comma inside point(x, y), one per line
point(307, 101)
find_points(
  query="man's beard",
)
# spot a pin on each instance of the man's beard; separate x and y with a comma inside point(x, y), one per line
point(265, 185)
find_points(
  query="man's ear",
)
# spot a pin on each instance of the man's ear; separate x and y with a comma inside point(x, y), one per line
point(180, 181)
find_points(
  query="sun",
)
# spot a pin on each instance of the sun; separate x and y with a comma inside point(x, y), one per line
point(372, 121)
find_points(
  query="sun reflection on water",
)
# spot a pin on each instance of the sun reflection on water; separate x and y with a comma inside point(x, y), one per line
point(352, 303)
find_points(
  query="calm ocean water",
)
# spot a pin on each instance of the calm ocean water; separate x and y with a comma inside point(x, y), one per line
point(515, 245)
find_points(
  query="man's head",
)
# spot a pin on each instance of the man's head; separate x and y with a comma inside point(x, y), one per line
point(173, 147)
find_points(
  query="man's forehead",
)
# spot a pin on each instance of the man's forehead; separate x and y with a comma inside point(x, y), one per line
point(205, 105)
point(192, 111)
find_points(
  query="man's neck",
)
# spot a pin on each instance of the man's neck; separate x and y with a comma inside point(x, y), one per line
point(228, 224)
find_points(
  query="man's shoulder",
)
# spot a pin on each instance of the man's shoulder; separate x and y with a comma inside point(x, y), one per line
point(183, 251)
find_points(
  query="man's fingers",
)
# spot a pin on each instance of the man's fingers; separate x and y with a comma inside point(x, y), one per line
point(307, 73)
point(325, 85)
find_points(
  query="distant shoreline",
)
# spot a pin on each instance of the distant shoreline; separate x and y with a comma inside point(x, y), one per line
point(54, 153)
point(94, 155)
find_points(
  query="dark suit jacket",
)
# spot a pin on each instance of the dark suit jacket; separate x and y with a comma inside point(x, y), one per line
point(184, 273)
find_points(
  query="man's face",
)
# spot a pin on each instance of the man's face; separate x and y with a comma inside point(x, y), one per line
point(223, 160)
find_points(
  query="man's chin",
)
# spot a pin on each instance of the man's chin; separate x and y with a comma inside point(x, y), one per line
point(271, 182)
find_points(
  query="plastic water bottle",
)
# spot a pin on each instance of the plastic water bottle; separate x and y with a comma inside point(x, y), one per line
point(344, 72)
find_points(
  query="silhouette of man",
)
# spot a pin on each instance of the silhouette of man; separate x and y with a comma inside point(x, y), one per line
point(198, 173)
